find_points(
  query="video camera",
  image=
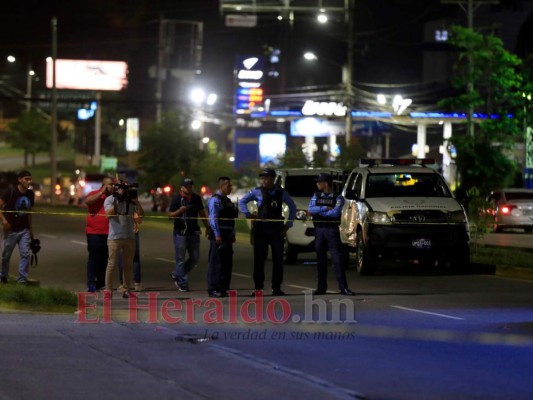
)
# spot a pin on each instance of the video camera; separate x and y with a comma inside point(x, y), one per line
point(125, 191)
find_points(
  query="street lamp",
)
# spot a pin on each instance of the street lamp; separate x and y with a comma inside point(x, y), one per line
point(30, 76)
point(322, 17)
point(200, 98)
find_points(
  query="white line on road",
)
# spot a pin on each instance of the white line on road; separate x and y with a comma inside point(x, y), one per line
point(47, 236)
point(300, 287)
point(427, 312)
point(166, 260)
point(241, 275)
point(78, 242)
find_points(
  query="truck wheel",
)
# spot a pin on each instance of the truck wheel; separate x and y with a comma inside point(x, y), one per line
point(365, 263)
point(460, 263)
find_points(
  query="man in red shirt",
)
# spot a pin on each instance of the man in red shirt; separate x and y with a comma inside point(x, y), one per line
point(97, 229)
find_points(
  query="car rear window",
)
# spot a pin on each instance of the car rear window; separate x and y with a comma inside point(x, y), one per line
point(518, 196)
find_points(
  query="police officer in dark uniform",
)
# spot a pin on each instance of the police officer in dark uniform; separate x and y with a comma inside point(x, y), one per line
point(325, 208)
point(269, 227)
point(222, 214)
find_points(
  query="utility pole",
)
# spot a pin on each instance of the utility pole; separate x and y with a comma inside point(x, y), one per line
point(348, 72)
point(469, 6)
point(167, 38)
point(53, 146)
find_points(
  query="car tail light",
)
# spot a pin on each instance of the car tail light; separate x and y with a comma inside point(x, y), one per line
point(506, 209)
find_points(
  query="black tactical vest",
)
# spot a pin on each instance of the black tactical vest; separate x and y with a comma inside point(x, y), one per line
point(271, 206)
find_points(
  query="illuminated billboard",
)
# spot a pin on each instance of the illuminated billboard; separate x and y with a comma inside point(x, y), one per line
point(88, 74)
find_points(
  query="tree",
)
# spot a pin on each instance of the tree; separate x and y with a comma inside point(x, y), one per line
point(349, 156)
point(31, 133)
point(294, 157)
point(167, 149)
point(483, 158)
point(209, 165)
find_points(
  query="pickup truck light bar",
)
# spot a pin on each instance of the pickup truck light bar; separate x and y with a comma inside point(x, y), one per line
point(371, 162)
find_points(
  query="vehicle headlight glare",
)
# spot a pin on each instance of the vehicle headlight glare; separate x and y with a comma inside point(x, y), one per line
point(301, 215)
point(376, 217)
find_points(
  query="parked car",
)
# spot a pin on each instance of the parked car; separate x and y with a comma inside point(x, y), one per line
point(403, 211)
point(511, 208)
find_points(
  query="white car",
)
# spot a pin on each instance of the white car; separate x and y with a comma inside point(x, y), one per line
point(398, 211)
point(511, 208)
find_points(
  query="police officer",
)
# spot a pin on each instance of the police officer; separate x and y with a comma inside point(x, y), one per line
point(325, 208)
point(222, 214)
point(269, 228)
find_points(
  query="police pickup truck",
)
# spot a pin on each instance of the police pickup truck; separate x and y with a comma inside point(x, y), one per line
point(403, 210)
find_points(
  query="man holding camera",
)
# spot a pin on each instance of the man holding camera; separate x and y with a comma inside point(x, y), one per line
point(119, 209)
point(97, 229)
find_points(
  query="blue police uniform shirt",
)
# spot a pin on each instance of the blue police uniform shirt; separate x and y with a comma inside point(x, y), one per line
point(325, 211)
point(214, 205)
point(255, 194)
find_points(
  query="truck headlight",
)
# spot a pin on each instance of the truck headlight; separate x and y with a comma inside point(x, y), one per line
point(457, 217)
point(377, 217)
point(301, 215)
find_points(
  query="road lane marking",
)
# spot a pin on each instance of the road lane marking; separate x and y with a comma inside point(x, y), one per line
point(78, 242)
point(240, 275)
point(428, 312)
point(300, 287)
point(47, 236)
point(166, 260)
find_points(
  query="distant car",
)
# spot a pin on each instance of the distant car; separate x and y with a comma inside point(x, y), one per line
point(81, 186)
point(161, 197)
point(511, 208)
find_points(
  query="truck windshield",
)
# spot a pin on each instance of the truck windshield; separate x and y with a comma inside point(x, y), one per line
point(406, 185)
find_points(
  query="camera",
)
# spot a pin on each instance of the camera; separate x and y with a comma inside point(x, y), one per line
point(125, 191)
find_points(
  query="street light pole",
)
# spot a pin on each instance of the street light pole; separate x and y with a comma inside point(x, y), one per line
point(29, 80)
point(53, 146)
point(347, 72)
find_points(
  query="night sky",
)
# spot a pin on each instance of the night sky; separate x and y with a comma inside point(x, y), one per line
point(388, 39)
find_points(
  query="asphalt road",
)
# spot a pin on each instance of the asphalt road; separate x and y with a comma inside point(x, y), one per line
point(407, 334)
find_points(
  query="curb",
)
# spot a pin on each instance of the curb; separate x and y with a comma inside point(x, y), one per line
point(514, 272)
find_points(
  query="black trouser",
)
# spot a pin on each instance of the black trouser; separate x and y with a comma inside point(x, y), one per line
point(220, 263)
point(329, 238)
point(265, 234)
point(97, 260)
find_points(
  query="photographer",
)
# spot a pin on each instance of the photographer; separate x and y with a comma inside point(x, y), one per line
point(120, 208)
